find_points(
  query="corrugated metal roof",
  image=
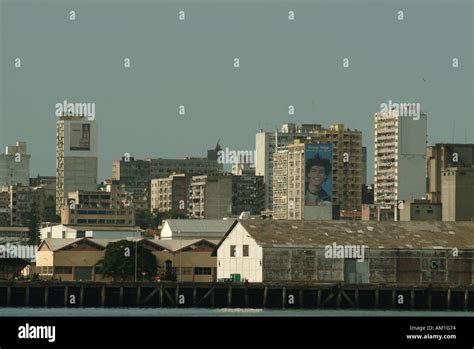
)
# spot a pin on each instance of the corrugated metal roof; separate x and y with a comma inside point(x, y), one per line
point(199, 226)
point(170, 245)
point(396, 235)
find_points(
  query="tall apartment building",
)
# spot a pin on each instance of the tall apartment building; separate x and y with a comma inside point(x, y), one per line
point(292, 176)
point(346, 172)
point(442, 156)
point(344, 140)
point(280, 184)
point(210, 197)
point(457, 193)
point(19, 204)
point(399, 158)
point(4, 208)
point(15, 165)
point(170, 193)
point(76, 157)
point(248, 193)
point(134, 175)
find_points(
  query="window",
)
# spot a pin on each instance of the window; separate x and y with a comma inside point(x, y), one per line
point(80, 234)
point(63, 270)
point(245, 251)
point(429, 211)
point(202, 271)
point(233, 250)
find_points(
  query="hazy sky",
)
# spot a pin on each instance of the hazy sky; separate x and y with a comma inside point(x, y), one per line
point(190, 63)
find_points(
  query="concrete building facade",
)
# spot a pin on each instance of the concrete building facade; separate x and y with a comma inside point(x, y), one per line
point(420, 210)
point(15, 165)
point(399, 158)
point(441, 156)
point(170, 193)
point(76, 157)
point(457, 193)
point(210, 197)
point(248, 193)
point(347, 144)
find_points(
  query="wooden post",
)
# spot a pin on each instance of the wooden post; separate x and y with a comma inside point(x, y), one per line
point(448, 299)
point(161, 295)
point(394, 299)
point(338, 300)
point(102, 296)
point(194, 295)
point(412, 298)
point(66, 296)
point(121, 296)
point(283, 297)
point(246, 295)
point(318, 300)
point(265, 294)
point(46, 294)
point(81, 296)
point(377, 298)
point(229, 296)
point(466, 298)
point(176, 296)
point(27, 296)
point(9, 296)
point(356, 297)
point(300, 296)
point(139, 295)
point(213, 298)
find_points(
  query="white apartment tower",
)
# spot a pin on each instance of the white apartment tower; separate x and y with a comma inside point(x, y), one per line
point(76, 157)
point(399, 157)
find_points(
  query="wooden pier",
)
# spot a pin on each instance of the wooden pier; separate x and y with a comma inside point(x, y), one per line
point(234, 295)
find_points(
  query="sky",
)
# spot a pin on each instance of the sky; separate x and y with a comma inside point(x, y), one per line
point(191, 63)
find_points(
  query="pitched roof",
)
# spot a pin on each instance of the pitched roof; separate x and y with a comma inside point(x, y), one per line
point(199, 226)
point(388, 235)
point(177, 244)
point(170, 245)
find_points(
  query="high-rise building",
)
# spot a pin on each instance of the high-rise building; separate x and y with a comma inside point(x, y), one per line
point(457, 191)
point(440, 157)
point(15, 165)
point(134, 176)
point(210, 197)
point(347, 152)
point(248, 193)
point(399, 158)
point(170, 193)
point(20, 199)
point(76, 157)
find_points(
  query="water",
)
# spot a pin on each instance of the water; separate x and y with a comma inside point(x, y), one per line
point(202, 312)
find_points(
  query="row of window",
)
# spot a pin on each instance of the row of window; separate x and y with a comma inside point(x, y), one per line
point(235, 251)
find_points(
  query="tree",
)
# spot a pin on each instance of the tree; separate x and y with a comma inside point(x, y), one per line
point(158, 216)
point(119, 260)
point(143, 219)
point(33, 225)
point(49, 212)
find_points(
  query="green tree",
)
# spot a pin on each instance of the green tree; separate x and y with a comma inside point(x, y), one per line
point(143, 219)
point(33, 225)
point(49, 212)
point(158, 216)
point(119, 260)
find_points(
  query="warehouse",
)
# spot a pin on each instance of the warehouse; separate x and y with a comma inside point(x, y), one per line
point(402, 253)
